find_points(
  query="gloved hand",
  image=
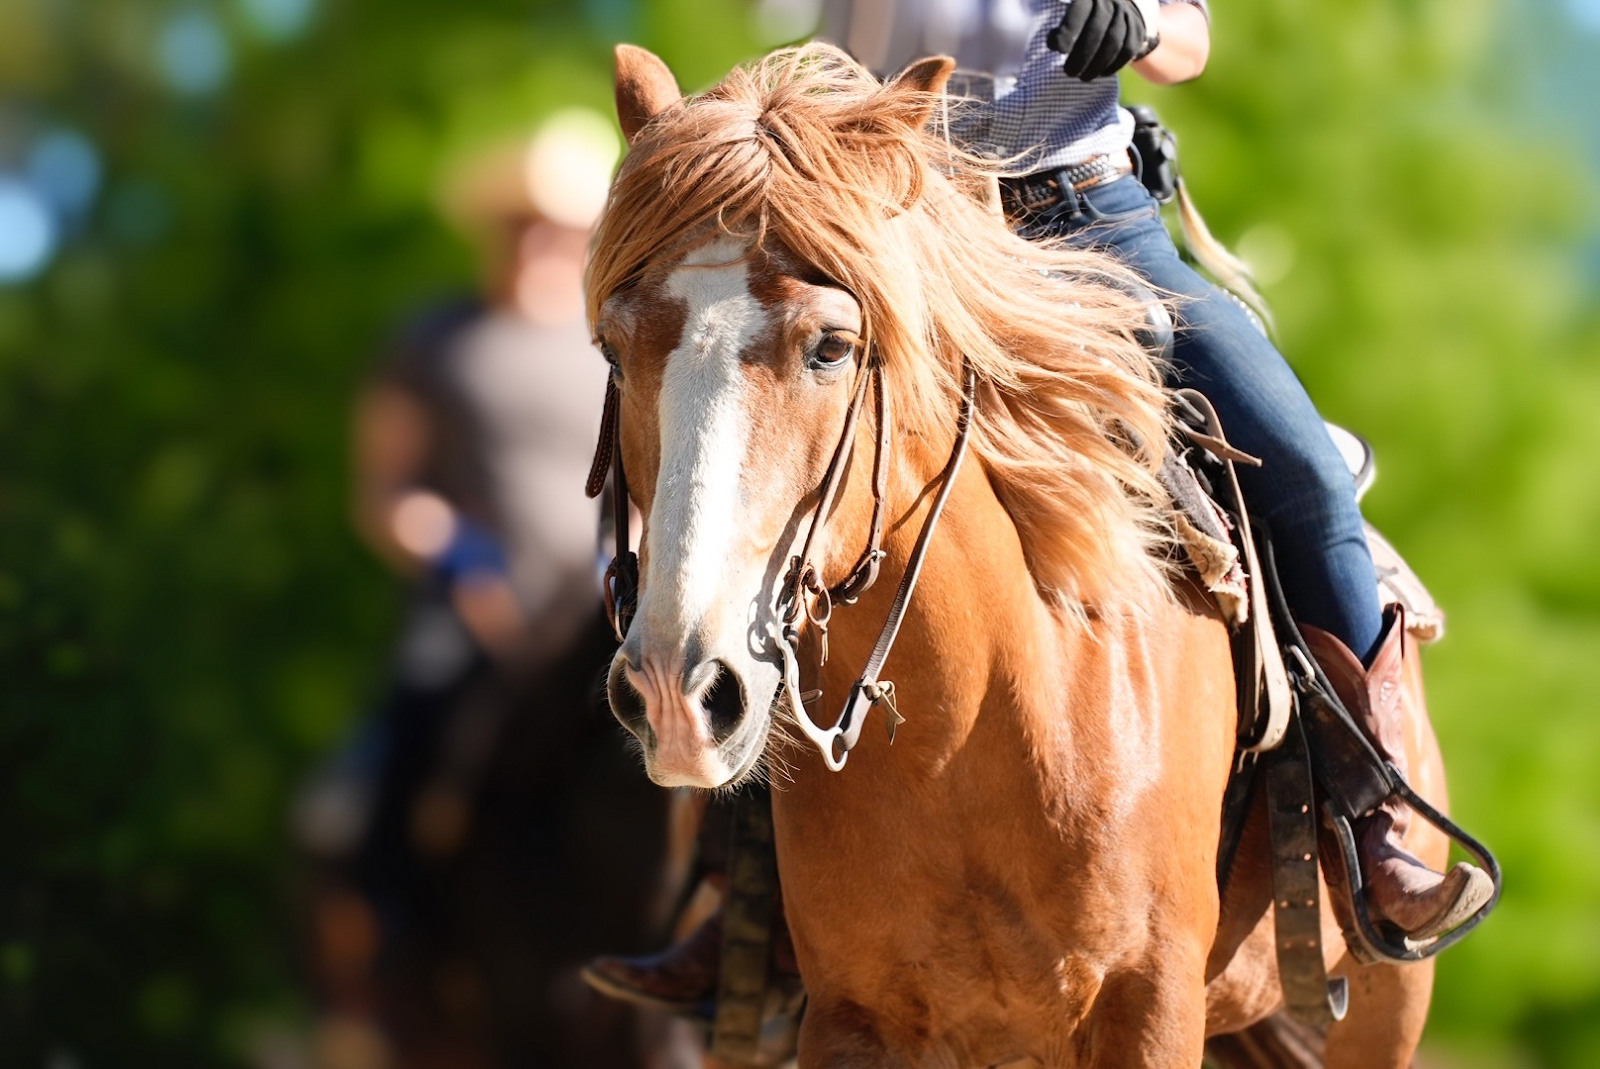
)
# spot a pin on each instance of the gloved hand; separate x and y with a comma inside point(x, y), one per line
point(1100, 37)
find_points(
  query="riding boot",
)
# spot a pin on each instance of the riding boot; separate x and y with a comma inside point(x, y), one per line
point(1400, 889)
point(683, 978)
point(680, 979)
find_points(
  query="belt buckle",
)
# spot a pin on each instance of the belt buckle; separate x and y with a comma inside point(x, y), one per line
point(1031, 196)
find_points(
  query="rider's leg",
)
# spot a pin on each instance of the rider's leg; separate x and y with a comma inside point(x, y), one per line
point(684, 977)
point(681, 979)
point(1416, 899)
point(1303, 488)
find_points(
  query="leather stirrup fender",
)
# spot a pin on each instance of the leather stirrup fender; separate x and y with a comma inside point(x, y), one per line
point(1264, 697)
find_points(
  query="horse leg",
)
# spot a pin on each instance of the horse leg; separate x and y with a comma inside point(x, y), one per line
point(1149, 1018)
point(1276, 1042)
point(840, 1035)
point(1388, 1008)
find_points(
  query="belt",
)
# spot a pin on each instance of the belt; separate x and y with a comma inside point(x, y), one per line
point(1033, 193)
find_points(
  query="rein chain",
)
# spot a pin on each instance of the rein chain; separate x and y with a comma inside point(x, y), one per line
point(804, 593)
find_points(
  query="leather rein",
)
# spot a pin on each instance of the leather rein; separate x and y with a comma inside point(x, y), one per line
point(804, 596)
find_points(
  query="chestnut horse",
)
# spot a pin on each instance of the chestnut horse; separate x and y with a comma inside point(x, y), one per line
point(1028, 876)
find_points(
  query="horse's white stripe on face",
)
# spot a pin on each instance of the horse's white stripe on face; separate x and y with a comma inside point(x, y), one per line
point(705, 428)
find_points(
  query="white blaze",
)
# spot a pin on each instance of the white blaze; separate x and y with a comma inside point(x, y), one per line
point(705, 428)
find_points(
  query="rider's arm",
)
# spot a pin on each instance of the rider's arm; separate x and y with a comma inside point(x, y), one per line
point(1184, 48)
point(412, 527)
point(404, 523)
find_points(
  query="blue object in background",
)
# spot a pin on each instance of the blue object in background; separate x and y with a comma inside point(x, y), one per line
point(64, 169)
point(28, 233)
point(279, 20)
point(194, 53)
point(473, 552)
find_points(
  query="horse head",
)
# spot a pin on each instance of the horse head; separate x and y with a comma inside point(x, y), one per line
point(768, 246)
point(734, 360)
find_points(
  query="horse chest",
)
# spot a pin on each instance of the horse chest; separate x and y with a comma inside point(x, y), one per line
point(992, 1008)
point(972, 971)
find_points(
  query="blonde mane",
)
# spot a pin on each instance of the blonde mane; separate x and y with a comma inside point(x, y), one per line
point(808, 149)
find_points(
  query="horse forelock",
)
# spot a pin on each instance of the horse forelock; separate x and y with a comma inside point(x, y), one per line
point(807, 152)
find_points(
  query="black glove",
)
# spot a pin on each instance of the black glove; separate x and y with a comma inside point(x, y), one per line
point(1100, 37)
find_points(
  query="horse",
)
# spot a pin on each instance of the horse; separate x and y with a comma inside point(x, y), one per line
point(558, 849)
point(1021, 870)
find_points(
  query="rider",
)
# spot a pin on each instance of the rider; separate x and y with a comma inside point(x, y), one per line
point(472, 439)
point(1050, 108)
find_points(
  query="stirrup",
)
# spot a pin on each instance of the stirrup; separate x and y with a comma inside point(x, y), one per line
point(1371, 942)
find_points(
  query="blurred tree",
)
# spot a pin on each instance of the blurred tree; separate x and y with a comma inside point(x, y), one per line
point(184, 619)
point(185, 622)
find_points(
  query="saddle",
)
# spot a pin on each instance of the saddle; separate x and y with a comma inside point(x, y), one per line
point(1319, 769)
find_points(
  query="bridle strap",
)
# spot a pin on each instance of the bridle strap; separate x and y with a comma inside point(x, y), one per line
point(804, 576)
point(622, 576)
point(919, 552)
point(865, 572)
point(606, 446)
point(869, 690)
point(868, 686)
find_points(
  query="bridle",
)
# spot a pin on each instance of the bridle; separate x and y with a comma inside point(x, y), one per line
point(804, 595)
point(621, 582)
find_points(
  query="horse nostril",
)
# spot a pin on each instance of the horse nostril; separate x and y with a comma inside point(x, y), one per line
point(723, 702)
point(627, 704)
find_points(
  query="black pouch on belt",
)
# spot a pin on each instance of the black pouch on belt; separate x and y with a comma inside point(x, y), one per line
point(1156, 150)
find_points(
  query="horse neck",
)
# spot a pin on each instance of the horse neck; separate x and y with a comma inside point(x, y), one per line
point(975, 632)
point(1027, 734)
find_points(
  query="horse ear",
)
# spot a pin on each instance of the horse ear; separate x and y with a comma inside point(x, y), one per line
point(925, 76)
point(645, 88)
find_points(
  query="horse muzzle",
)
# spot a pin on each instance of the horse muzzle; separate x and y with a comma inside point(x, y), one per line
point(691, 715)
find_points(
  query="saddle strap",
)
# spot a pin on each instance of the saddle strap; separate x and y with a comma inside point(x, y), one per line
point(1296, 907)
point(1264, 698)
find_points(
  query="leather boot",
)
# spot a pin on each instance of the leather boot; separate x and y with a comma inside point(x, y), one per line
point(684, 978)
point(680, 979)
point(1400, 889)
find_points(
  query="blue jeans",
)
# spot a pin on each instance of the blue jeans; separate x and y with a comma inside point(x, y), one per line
point(1303, 489)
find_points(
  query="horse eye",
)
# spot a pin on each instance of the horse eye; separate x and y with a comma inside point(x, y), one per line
point(833, 350)
point(611, 358)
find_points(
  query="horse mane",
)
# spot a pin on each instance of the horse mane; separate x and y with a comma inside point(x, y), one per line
point(807, 148)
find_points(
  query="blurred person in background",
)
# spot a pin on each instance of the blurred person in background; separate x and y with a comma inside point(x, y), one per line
point(454, 831)
point(1043, 75)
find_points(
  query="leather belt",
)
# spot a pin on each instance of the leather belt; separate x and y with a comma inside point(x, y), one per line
point(1034, 193)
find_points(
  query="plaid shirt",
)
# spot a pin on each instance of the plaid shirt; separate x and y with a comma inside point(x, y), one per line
point(1029, 110)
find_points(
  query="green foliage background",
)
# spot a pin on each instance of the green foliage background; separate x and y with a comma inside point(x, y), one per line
point(185, 622)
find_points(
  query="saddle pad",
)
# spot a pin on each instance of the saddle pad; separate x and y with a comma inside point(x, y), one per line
point(1204, 528)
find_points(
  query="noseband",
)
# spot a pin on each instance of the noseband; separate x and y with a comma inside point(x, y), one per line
point(804, 595)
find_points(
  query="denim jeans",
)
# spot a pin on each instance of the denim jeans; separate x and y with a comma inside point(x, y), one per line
point(1303, 488)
